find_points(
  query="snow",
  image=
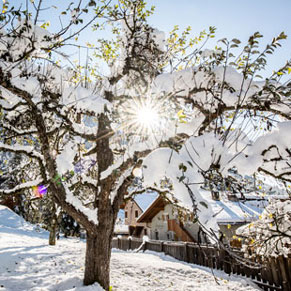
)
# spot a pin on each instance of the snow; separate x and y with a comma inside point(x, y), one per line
point(19, 148)
point(121, 228)
point(19, 45)
point(84, 100)
point(226, 211)
point(23, 186)
point(92, 214)
point(10, 220)
point(27, 262)
point(198, 154)
point(273, 228)
point(66, 158)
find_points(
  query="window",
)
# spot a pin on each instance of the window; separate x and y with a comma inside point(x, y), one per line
point(136, 213)
point(125, 214)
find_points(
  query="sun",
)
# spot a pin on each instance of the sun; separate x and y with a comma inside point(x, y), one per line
point(142, 116)
point(147, 117)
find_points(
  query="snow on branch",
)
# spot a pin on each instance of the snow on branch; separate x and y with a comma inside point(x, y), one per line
point(271, 234)
point(17, 132)
point(27, 150)
point(21, 187)
point(269, 153)
point(91, 214)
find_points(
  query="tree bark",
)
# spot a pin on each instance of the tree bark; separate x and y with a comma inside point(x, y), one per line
point(98, 254)
point(53, 224)
point(52, 237)
point(98, 250)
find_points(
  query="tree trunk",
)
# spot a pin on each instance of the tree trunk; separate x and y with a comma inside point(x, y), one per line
point(52, 237)
point(98, 253)
point(53, 231)
point(53, 226)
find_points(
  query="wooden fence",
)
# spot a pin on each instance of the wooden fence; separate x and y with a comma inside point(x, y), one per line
point(275, 273)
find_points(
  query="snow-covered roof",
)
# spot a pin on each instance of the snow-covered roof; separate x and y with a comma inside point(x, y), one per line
point(226, 211)
point(121, 228)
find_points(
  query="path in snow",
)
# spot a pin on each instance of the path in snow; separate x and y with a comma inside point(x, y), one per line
point(28, 263)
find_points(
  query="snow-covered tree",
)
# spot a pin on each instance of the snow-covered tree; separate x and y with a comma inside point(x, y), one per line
point(166, 113)
point(271, 234)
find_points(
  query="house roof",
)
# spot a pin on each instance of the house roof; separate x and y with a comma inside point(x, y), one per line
point(143, 201)
point(233, 212)
point(157, 205)
point(226, 211)
point(121, 229)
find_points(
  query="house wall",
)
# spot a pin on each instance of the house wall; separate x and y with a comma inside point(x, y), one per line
point(159, 224)
point(130, 208)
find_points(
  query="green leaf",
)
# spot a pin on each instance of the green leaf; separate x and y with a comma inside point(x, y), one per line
point(92, 3)
point(236, 41)
point(182, 167)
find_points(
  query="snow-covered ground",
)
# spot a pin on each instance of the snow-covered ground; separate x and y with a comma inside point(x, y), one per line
point(28, 263)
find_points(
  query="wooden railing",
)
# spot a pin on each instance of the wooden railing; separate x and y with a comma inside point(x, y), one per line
point(275, 273)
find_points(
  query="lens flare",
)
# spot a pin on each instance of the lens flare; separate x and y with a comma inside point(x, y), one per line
point(143, 116)
point(39, 191)
point(147, 117)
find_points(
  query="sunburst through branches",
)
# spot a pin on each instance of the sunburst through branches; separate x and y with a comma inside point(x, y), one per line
point(144, 116)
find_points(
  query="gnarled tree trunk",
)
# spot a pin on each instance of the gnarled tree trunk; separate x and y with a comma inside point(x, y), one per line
point(98, 251)
point(97, 265)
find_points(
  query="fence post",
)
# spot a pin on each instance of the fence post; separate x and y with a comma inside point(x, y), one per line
point(283, 269)
point(226, 262)
point(118, 243)
point(129, 243)
point(145, 246)
point(274, 270)
point(186, 252)
point(162, 246)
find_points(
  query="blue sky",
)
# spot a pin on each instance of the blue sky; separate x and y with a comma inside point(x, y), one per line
point(232, 18)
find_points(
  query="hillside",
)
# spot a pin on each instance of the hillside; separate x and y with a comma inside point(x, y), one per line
point(28, 263)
